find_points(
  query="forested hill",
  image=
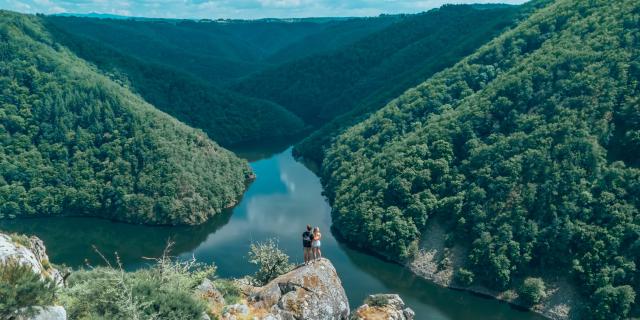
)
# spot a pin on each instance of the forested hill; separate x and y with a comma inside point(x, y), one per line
point(527, 151)
point(74, 142)
point(364, 76)
point(227, 117)
point(218, 52)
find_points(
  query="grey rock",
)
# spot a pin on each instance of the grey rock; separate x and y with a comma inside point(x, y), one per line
point(311, 292)
point(32, 254)
point(47, 313)
point(208, 291)
point(383, 306)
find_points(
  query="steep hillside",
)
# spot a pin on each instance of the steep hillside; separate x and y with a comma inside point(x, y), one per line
point(227, 117)
point(527, 151)
point(364, 76)
point(219, 51)
point(73, 142)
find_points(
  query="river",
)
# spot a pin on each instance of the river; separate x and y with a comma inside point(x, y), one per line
point(284, 198)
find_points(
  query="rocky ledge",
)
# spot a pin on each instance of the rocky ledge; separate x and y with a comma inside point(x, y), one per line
point(310, 292)
point(31, 251)
point(383, 306)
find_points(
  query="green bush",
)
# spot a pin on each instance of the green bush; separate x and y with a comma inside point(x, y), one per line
point(21, 289)
point(271, 261)
point(613, 303)
point(532, 291)
point(230, 291)
point(163, 291)
point(464, 277)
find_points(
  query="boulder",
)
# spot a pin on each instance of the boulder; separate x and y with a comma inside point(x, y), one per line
point(310, 292)
point(383, 307)
point(208, 292)
point(47, 313)
point(29, 251)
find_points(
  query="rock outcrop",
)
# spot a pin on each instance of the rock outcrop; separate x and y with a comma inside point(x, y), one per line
point(47, 313)
point(383, 307)
point(28, 251)
point(31, 251)
point(310, 292)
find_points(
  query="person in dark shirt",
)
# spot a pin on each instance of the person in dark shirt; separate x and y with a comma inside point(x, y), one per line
point(306, 244)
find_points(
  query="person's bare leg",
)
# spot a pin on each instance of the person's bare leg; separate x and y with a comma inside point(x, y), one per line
point(319, 253)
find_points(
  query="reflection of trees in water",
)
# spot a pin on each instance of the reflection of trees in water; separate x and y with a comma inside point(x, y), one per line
point(425, 297)
point(69, 240)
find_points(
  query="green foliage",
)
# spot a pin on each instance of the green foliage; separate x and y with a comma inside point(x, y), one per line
point(464, 277)
point(360, 78)
point(532, 291)
point(229, 290)
point(526, 150)
point(163, 291)
point(377, 301)
point(227, 117)
point(612, 303)
point(271, 261)
point(21, 289)
point(75, 142)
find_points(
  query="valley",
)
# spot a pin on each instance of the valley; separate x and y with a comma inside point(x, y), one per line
point(488, 148)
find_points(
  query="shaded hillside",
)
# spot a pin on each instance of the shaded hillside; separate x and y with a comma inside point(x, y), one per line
point(364, 76)
point(217, 52)
point(227, 117)
point(517, 149)
point(75, 142)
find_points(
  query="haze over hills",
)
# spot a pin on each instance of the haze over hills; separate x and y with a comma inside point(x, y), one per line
point(517, 151)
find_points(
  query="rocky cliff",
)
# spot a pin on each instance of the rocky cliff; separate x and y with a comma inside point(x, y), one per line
point(31, 251)
point(28, 251)
point(310, 292)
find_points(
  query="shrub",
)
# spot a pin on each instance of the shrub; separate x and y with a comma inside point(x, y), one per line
point(21, 289)
point(271, 261)
point(230, 291)
point(377, 300)
point(464, 277)
point(532, 291)
point(163, 291)
point(613, 303)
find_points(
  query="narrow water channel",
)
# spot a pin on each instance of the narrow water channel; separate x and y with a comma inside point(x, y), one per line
point(284, 198)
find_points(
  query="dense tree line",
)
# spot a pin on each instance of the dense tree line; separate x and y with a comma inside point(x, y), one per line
point(218, 52)
point(363, 76)
point(74, 142)
point(227, 117)
point(527, 150)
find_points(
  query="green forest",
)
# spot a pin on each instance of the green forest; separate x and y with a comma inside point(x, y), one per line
point(227, 117)
point(516, 128)
point(75, 142)
point(526, 150)
point(360, 78)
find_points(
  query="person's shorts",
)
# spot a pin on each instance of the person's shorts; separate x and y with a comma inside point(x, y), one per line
point(316, 244)
point(306, 244)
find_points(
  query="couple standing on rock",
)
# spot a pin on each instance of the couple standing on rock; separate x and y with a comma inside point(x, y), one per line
point(311, 244)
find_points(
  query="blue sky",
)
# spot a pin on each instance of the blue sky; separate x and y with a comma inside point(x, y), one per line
point(245, 9)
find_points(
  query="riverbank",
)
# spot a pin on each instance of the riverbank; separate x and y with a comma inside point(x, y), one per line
point(437, 263)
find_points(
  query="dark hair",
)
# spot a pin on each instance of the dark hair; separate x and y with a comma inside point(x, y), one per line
point(309, 227)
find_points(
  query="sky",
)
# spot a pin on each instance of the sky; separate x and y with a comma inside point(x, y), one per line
point(239, 9)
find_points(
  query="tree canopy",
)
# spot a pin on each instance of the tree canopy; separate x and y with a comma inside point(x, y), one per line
point(528, 151)
point(74, 142)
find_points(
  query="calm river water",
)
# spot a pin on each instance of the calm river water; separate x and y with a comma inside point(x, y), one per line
point(284, 198)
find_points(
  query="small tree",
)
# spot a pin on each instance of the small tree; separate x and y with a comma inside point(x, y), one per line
point(533, 290)
point(465, 277)
point(21, 289)
point(271, 261)
point(613, 302)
